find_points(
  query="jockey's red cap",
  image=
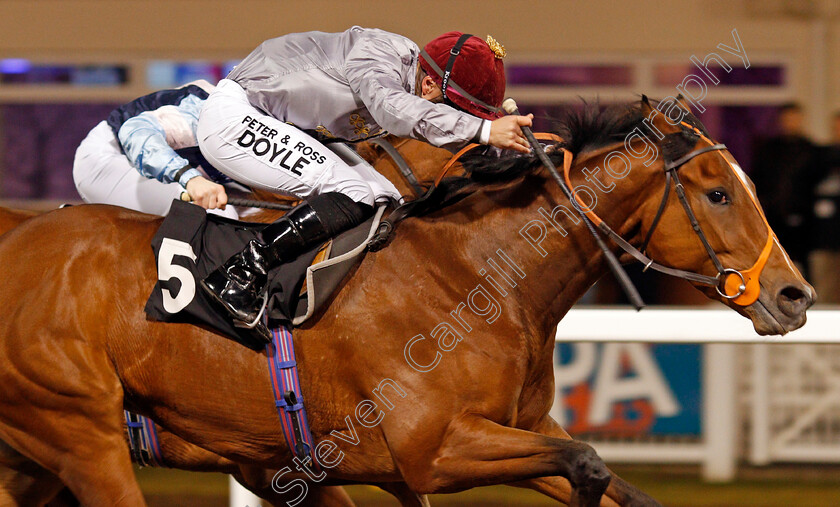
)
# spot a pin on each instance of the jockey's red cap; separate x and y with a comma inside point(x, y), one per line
point(476, 80)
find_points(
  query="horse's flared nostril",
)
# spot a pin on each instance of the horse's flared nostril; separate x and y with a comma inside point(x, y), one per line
point(795, 299)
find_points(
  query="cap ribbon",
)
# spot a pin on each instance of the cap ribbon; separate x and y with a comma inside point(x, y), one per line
point(453, 54)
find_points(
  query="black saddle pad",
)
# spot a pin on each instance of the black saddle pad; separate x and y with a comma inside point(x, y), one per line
point(188, 246)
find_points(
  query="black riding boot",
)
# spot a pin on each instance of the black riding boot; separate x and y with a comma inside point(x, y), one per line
point(239, 283)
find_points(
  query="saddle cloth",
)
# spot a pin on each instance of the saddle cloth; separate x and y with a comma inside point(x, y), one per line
point(191, 243)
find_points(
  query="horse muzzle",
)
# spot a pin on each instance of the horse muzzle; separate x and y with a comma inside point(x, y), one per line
point(780, 311)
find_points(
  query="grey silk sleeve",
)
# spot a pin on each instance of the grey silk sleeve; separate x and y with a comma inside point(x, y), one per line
point(375, 71)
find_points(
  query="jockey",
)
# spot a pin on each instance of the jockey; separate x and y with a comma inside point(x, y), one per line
point(265, 126)
point(145, 155)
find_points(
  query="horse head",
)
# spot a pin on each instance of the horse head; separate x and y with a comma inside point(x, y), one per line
point(653, 182)
point(711, 223)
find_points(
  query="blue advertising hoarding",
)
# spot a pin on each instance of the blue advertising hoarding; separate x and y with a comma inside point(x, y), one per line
point(628, 389)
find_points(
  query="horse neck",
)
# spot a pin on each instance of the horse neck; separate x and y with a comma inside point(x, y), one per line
point(559, 273)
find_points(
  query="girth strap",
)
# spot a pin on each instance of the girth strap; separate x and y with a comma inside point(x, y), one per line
point(288, 396)
point(143, 442)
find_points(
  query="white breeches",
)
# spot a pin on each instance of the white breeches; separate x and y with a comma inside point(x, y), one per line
point(261, 151)
point(104, 175)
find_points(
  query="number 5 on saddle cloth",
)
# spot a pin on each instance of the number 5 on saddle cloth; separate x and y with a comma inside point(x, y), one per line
point(191, 243)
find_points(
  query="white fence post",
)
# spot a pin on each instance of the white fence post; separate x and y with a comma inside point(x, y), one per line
point(719, 412)
point(241, 497)
point(760, 406)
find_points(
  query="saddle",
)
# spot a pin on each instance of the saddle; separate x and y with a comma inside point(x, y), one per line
point(191, 243)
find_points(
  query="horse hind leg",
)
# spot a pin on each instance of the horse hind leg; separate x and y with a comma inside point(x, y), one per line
point(479, 452)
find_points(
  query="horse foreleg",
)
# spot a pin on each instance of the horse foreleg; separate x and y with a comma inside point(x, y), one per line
point(26, 484)
point(326, 496)
point(478, 452)
point(96, 468)
point(64, 498)
point(619, 492)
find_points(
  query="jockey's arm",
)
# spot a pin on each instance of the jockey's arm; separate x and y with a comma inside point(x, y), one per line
point(143, 139)
point(373, 72)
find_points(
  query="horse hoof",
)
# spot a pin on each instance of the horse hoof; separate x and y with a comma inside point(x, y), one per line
point(591, 477)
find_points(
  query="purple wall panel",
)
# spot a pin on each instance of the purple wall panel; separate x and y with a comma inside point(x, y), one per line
point(38, 145)
point(569, 75)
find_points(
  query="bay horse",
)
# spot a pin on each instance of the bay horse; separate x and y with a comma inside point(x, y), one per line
point(76, 344)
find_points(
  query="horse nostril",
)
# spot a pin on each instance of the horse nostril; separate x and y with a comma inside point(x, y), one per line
point(793, 300)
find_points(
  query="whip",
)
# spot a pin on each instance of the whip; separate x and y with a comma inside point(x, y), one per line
point(246, 203)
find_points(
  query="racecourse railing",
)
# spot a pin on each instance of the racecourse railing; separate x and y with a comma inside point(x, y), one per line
point(776, 399)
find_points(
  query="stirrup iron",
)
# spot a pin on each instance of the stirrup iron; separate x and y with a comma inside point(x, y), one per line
point(255, 323)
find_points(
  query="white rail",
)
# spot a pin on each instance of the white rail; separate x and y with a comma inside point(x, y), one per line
point(241, 497)
point(717, 329)
point(658, 325)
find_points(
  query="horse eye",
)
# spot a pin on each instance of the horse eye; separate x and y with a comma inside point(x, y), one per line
point(718, 197)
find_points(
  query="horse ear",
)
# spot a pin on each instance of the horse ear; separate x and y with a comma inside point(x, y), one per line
point(667, 114)
point(683, 102)
point(646, 107)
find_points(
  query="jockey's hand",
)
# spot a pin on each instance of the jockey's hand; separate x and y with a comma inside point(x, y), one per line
point(207, 194)
point(506, 133)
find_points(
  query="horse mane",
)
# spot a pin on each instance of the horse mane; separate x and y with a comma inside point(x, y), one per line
point(593, 127)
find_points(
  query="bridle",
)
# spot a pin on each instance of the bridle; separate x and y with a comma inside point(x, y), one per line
point(740, 286)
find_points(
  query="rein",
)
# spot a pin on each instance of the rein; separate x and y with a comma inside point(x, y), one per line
point(742, 287)
point(405, 169)
point(540, 136)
